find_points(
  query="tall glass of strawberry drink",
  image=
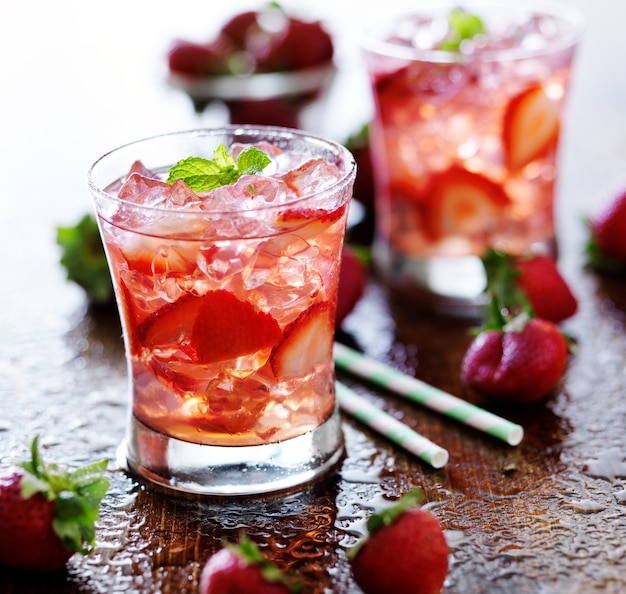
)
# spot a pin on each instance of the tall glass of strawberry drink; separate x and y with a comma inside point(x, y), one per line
point(224, 246)
point(468, 112)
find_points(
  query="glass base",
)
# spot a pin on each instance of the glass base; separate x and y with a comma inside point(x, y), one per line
point(187, 467)
point(443, 285)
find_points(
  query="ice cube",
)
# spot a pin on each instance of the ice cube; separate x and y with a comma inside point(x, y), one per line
point(156, 193)
point(248, 192)
point(136, 185)
point(314, 175)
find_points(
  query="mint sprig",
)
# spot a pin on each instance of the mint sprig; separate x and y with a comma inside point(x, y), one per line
point(202, 175)
point(76, 494)
point(462, 26)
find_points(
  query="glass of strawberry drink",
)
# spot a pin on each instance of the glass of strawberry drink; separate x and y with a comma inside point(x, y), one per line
point(227, 294)
point(468, 111)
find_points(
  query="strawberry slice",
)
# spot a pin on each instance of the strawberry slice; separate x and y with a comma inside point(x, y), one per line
point(217, 326)
point(226, 328)
point(530, 127)
point(309, 221)
point(147, 255)
point(131, 317)
point(307, 342)
point(169, 325)
point(464, 203)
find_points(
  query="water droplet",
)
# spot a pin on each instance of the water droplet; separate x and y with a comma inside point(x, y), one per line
point(609, 465)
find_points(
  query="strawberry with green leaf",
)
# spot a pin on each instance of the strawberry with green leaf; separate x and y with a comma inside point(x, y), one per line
point(242, 569)
point(405, 551)
point(533, 282)
point(515, 357)
point(48, 513)
point(606, 247)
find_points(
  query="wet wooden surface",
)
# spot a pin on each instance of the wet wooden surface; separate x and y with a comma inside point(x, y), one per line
point(547, 516)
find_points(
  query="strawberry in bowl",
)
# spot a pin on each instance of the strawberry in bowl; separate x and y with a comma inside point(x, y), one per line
point(264, 65)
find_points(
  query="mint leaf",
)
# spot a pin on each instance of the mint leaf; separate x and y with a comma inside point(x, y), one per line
point(251, 161)
point(462, 26)
point(203, 175)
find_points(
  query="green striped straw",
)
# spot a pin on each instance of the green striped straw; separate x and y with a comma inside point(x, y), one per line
point(427, 395)
point(391, 428)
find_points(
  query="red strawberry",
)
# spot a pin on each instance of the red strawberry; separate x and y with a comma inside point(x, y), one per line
point(301, 44)
point(607, 243)
point(464, 203)
point(309, 222)
point(521, 362)
point(307, 342)
point(530, 127)
point(351, 284)
point(530, 283)
point(545, 288)
point(243, 569)
point(170, 324)
point(239, 26)
point(405, 552)
point(47, 514)
point(197, 59)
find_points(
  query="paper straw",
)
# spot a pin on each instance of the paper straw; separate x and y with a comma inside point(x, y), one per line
point(391, 428)
point(427, 395)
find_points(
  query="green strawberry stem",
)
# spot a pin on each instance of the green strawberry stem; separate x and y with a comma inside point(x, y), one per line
point(387, 516)
point(506, 298)
point(76, 494)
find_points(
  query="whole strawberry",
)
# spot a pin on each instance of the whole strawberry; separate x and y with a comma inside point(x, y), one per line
point(405, 551)
point(521, 363)
point(532, 282)
point(517, 356)
point(47, 514)
point(242, 569)
point(606, 249)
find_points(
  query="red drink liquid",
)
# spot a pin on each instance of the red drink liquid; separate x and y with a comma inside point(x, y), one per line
point(465, 146)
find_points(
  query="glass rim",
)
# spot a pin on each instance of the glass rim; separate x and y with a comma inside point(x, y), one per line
point(278, 132)
point(570, 15)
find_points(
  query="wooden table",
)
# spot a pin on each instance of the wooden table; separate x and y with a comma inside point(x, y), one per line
point(547, 516)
